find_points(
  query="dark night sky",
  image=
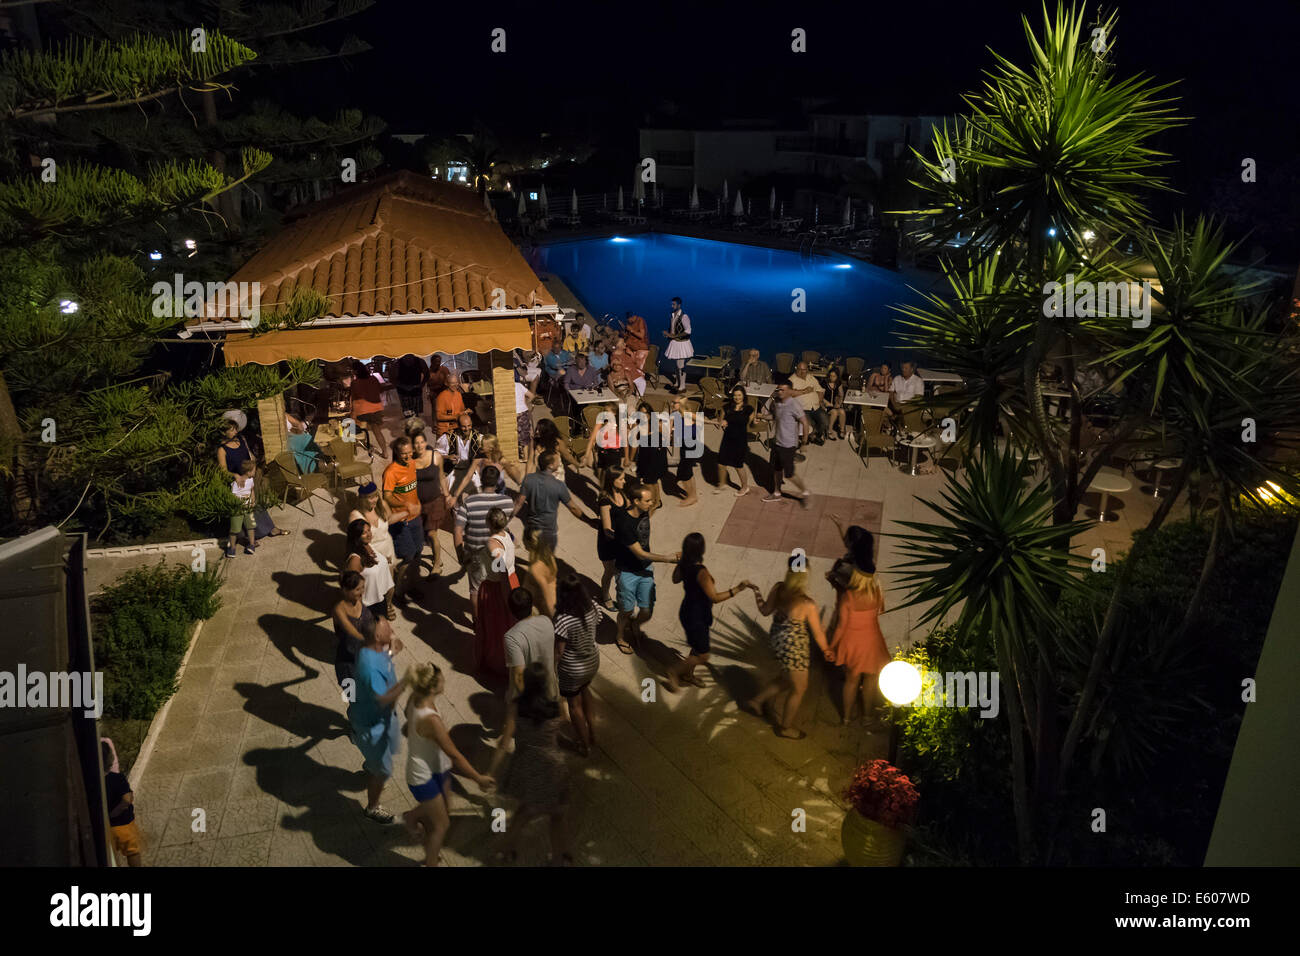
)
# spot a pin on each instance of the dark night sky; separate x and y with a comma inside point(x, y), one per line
point(598, 66)
point(432, 63)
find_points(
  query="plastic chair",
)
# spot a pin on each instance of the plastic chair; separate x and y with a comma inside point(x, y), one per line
point(811, 357)
point(853, 365)
point(306, 484)
point(785, 362)
point(914, 417)
point(870, 435)
point(591, 417)
point(713, 398)
point(577, 444)
point(759, 431)
point(651, 368)
point(346, 466)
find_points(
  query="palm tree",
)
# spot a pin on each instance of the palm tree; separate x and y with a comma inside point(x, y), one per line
point(1209, 368)
point(999, 562)
point(1043, 179)
point(1060, 146)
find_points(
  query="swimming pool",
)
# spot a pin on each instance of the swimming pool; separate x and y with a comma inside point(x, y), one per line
point(737, 294)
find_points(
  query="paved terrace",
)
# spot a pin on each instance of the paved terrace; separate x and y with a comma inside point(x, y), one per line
point(257, 737)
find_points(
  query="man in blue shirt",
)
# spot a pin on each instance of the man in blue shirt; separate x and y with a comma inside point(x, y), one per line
point(556, 365)
point(373, 714)
point(557, 360)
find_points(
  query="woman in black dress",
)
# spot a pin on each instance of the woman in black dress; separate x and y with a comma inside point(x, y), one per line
point(652, 455)
point(611, 498)
point(431, 487)
point(833, 402)
point(699, 594)
point(734, 447)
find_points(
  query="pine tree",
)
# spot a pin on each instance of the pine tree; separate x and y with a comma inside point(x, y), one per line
point(309, 150)
point(87, 434)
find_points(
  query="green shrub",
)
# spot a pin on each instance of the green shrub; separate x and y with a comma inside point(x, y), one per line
point(1157, 750)
point(142, 627)
point(960, 764)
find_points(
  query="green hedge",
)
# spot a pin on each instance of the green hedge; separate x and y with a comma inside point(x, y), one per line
point(141, 632)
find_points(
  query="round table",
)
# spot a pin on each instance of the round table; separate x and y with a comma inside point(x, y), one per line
point(916, 443)
point(1109, 483)
point(1020, 451)
point(1160, 466)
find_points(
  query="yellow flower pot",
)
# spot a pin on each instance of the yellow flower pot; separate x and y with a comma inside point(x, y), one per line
point(868, 843)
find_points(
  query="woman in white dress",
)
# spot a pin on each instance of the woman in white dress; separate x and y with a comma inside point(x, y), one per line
point(679, 345)
point(373, 508)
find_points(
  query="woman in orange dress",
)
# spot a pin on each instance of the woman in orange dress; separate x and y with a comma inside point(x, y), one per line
point(857, 644)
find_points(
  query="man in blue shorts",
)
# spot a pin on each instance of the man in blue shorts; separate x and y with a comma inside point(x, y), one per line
point(634, 562)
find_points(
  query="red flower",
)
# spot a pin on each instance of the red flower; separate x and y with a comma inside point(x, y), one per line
point(881, 792)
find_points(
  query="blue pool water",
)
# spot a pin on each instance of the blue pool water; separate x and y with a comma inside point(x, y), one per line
point(737, 294)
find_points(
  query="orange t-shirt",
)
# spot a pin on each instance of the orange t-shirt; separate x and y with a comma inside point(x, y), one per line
point(449, 404)
point(367, 397)
point(635, 336)
point(399, 482)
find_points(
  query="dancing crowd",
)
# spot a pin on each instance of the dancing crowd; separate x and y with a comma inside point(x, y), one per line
point(535, 618)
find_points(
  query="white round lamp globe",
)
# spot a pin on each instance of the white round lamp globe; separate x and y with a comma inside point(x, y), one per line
point(900, 682)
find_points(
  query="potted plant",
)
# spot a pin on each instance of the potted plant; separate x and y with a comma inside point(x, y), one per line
point(883, 802)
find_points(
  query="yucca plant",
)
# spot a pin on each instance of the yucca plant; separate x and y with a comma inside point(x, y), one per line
point(1060, 145)
point(977, 329)
point(1215, 376)
point(995, 567)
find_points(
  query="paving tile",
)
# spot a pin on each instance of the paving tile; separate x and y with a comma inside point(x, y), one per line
point(204, 788)
point(198, 824)
point(156, 791)
point(242, 817)
point(188, 854)
point(291, 848)
point(251, 850)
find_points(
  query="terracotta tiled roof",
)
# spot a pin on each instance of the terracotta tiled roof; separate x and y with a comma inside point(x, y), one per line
point(401, 244)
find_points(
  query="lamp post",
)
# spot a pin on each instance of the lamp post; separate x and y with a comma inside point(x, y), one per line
point(900, 683)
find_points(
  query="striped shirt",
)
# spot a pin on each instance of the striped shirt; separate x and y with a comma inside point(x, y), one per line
point(472, 515)
point(581, 658)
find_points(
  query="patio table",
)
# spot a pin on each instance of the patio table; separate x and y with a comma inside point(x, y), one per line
point(1109, 483)
point(1161, 465)
point(929, 375)
point(593, 396)
point(916, 443)
point(866, 399)
point(714, 362)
